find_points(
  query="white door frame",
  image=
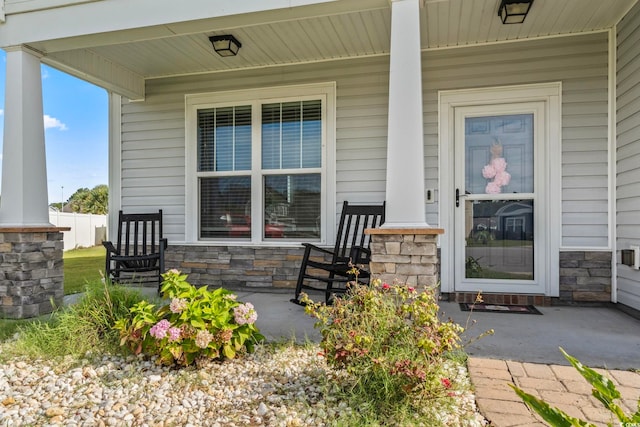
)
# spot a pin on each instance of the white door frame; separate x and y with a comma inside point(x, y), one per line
point(551, 95)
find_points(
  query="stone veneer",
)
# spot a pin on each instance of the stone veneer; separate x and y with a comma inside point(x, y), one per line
point(237, 266)
point(31, 271)
point(585, 277)
point(405, 255)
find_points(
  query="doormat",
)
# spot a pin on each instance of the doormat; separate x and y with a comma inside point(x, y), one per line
point(500, 308)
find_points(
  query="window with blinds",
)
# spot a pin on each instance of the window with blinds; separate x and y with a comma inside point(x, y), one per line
point(224, 139)
point(289, 138)
point(292, 135)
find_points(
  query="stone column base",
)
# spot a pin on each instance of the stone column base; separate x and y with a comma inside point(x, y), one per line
point(405, 255)
point(31, 278)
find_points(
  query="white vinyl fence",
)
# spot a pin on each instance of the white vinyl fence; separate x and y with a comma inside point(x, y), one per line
point(86, 229)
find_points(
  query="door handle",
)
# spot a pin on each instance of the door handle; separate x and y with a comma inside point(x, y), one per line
point(458, 196)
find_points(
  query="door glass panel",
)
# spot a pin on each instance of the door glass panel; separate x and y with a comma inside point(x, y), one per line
point(499, 154)
point(499, 161)
point(499, 239)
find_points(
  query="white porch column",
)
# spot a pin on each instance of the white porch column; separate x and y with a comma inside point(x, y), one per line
point(405, 159)
point(24, 199)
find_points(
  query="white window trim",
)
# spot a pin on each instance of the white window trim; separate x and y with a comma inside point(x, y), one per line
point(193, 102)
point(551, 94)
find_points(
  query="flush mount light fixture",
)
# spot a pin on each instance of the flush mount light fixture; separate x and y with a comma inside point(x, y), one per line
point(514, 11)
point(225, 45)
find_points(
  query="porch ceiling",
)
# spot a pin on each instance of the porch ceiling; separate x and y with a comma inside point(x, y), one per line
point(336, 32)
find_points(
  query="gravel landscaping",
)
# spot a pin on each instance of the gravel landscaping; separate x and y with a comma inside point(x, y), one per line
point(275, 386)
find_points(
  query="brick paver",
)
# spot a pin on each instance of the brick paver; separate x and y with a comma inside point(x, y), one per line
point(561, 386)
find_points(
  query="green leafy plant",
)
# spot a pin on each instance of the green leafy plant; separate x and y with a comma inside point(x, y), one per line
point(392, 343)
point(197, 323)
point(603, 389)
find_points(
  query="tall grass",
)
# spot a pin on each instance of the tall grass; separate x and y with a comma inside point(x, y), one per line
point(84, 327)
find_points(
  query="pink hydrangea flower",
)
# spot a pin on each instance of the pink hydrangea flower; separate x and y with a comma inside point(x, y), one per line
point(245, 314)
point(159, 330)
point(502, 178)
point(488, 171)
point(174, 334)
point(178, 305)
point(174, 271)
point(492, 188)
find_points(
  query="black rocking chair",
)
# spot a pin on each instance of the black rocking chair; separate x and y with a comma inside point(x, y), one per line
point(138, 256)
point(351, 248)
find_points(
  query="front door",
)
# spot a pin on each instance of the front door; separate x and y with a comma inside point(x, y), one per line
point(499, 173)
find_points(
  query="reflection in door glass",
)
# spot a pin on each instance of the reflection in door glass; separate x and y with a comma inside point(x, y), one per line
point(499, 242)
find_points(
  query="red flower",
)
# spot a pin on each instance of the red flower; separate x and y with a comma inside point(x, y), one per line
point(446, 382)
point(411, 289)
point(386, 286)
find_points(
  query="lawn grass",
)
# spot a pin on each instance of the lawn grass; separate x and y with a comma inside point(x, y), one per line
point(82, 266)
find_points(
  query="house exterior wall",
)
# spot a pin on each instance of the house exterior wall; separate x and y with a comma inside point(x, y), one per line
point(580, 63)
point(153, 134)
point(628, 152)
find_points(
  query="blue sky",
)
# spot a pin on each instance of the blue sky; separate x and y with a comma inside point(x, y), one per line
point(76, 131)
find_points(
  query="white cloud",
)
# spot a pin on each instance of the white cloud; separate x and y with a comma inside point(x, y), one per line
point(1, 112)
point(52, 122)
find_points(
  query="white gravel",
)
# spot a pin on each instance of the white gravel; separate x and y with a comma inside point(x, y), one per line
point(283, 387)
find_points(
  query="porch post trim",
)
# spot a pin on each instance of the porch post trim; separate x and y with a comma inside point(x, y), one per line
point(24, 174)
point(405, 146)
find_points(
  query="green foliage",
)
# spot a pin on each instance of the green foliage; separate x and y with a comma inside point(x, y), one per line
point(603, 389)
point(472, 267)
point(196, 324)
point(86, 326)
point(392, 343)
point(94, 201)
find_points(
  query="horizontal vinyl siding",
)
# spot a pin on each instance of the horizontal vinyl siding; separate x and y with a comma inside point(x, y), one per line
point(153, 150)
point(580, 63)
point(628, 152)
point(153, 131)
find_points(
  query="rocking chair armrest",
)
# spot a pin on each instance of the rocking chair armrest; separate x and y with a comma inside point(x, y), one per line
point(110, 248)
point(164, 243)
point(309, 247)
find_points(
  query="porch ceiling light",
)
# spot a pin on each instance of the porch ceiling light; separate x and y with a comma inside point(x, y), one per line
point(514, 11)
point(225, 45)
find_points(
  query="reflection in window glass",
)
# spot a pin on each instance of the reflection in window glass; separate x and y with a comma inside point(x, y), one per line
point(292, 206)
point(499, 239)
point(225, 207)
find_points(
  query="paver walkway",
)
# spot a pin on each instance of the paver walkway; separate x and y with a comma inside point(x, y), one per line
point(560, 386)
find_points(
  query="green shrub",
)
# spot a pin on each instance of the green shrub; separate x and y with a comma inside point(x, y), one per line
point(81, 328)
point(603, 389)
point(195, 324)
point(393, 345)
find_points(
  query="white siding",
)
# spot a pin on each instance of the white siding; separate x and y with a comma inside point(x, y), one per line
point(153, 130)
point(628, 152)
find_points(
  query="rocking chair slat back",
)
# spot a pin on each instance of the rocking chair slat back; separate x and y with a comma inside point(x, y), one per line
point(351, 247)
point(138, 255)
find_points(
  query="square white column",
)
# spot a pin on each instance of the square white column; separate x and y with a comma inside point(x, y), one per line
point(24, 200)
point(405, 146)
